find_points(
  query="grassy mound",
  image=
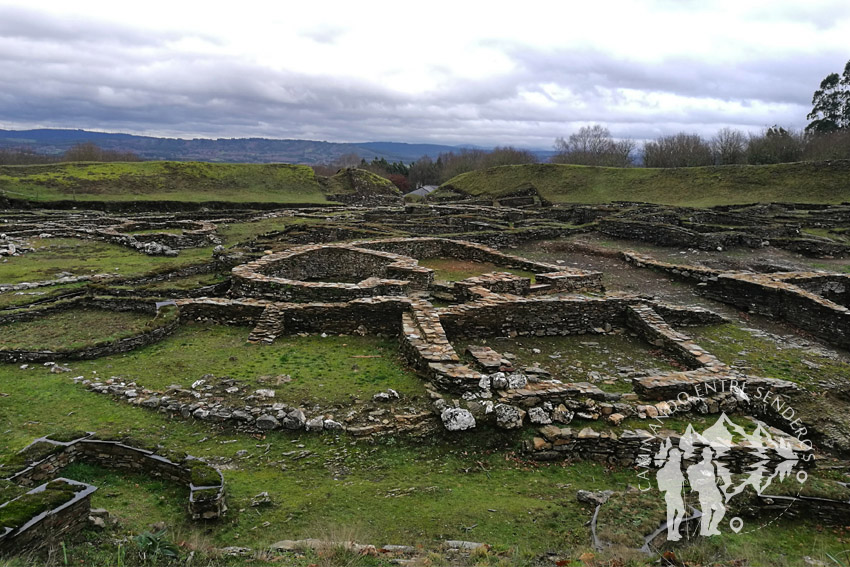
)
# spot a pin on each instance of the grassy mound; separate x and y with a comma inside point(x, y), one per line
point(824, 182)
point(162, 181)
point(352, 181)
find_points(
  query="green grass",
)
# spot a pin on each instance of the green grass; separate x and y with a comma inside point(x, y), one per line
point(11, 299)
point(628, 517)
point(452, 270)
point(163, 181)
point(71, 329)
point(87, 257)
point(451, 482)
point(322, 370)
point(814, 487)
point(807, 182)
point(732, 344)
point(393, 491)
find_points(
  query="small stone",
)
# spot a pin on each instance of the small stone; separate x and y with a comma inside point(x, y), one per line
point(539, 416)
point(261, 499)
point(267, 422)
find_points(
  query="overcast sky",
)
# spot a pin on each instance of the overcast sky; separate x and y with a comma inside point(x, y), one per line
point(459, 72)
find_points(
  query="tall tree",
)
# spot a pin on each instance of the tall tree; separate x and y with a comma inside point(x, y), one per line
point(831, 104)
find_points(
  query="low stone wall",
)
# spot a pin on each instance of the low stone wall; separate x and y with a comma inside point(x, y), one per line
point(458, 249)
point(194, 234)
point(161, 326)
point(652, 328)
point(283, 276)
point(637, 448)
point(542, 316)
point(51, 526)
point(367, 315)
point(792, 296)
point(776, 295)
point(206, 499)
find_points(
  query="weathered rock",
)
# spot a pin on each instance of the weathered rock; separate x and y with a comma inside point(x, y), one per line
point(539, 416)
point(315, 424)
point(294, 420)
point(457, 419)
point(594, 498)
point(509, 417)
point(267, 422)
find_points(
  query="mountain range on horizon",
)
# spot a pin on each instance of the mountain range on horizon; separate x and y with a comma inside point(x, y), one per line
point(229, 150)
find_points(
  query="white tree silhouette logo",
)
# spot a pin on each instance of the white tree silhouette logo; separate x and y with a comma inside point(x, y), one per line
point(709, 476)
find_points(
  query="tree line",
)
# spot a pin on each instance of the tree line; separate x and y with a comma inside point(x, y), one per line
point(86, 151)
point(594, 145)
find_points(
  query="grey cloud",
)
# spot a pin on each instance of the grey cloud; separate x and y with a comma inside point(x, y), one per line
point(30, 24)
point(137, 83)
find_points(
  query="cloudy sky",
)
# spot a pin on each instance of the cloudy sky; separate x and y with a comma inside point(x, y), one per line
point(459, 72)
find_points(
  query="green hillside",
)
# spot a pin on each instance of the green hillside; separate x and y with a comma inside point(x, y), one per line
point(804, 182)
point(162, 181)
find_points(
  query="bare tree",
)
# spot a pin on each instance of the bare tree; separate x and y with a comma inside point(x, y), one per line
point(729, 147)
point(679, 150)
point(593, 145)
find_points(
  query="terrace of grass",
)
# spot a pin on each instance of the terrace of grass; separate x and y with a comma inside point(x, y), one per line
point(87, 257)
point(327, 371)
point(804, 182)
point(71, 329)
point(163, 181)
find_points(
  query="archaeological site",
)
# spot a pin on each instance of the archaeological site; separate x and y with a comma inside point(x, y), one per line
point(465, 379)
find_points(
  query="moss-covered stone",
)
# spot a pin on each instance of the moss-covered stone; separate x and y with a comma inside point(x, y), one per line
point(18, 512)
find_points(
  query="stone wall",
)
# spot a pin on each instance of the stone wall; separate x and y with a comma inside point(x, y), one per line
point(161, 326)
point(206, 500)
point(52, 526)
point(460, 250)
point(543, 316)
point(791, 296)
point(778, 296)
point(284, 276)
point(637, 448)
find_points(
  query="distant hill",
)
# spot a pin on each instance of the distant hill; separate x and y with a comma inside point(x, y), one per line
point(231, 150)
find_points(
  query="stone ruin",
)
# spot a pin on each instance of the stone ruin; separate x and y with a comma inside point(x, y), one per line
point(43, 460)
point(373, 285)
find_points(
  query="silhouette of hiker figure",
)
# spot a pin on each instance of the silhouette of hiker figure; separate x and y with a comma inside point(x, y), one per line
point(704, 482)
point(671, 481)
